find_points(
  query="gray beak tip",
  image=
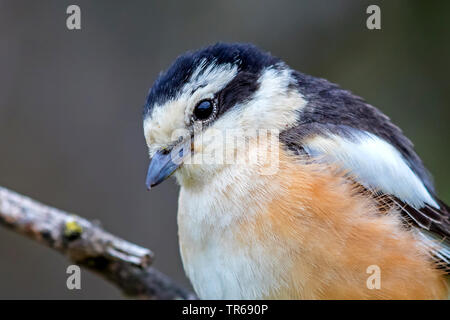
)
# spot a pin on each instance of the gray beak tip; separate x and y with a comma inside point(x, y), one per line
point(161, 167)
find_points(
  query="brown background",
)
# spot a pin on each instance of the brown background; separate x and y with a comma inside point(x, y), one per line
point(70, 103)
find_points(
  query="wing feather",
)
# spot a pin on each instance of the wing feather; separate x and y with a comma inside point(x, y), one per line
point(381, 169)
point(339, 127)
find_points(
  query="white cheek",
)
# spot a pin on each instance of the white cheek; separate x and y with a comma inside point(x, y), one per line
point(273, 106)
point(212, 80)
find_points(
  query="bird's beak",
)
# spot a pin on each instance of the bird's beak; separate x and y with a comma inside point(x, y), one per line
point(162, 165)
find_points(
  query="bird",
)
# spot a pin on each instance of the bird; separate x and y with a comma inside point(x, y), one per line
point(328, 200)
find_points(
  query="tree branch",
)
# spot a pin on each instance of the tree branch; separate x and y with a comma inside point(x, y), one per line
point(85, 243)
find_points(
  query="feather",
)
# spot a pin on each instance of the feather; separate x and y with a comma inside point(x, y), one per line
point(382, 170)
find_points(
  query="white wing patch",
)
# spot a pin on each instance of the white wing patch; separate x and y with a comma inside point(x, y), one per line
point(375, 163)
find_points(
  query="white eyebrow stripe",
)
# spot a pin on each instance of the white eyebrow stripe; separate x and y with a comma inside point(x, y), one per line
point(213, 76)
point(375, 163)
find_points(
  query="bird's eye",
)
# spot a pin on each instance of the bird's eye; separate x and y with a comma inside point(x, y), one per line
point(203, 110)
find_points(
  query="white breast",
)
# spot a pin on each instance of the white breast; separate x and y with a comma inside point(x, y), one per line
point(219, 264)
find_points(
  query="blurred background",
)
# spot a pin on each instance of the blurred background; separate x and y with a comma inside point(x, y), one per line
point(71, 102)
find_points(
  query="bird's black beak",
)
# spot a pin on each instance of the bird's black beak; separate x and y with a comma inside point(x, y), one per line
point(162, 165)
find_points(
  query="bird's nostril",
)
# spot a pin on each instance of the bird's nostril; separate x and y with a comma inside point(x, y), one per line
point(165, 151)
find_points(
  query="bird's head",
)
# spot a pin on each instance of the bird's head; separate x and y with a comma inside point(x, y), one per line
point(207, 96)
